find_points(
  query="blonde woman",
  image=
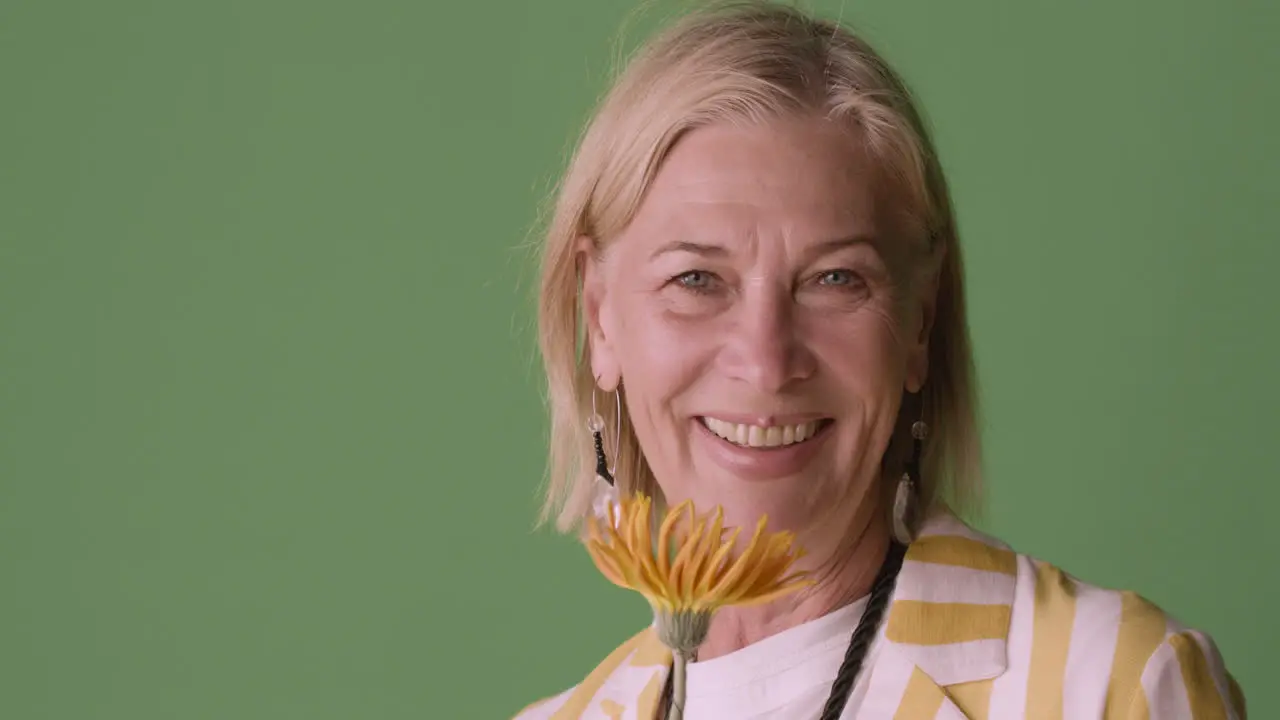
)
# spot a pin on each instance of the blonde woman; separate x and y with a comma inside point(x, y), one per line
point(756, 240)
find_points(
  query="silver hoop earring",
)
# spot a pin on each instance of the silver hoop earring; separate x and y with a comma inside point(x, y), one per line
point(905, 499)
point(606, 490)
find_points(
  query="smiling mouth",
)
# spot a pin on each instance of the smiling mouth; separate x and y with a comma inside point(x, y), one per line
point(758, 437)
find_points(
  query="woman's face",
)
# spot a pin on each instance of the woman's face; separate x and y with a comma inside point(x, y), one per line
point(755, 316)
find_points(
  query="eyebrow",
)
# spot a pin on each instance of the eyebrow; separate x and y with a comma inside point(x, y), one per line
point(690, 247)
point(706, 250)
point(827, 247)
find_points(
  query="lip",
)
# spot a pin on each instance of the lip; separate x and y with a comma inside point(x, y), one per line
point(765, 420)
point(760, 463)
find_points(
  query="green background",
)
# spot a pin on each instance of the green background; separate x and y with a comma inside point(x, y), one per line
point(271, 433)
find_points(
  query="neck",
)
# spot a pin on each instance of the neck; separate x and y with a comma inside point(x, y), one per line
point(847, 575)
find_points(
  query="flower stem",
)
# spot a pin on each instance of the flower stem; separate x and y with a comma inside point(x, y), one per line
point(678, 664)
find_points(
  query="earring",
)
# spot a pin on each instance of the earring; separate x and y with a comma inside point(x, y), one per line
point(606, 490)
point(904, 500)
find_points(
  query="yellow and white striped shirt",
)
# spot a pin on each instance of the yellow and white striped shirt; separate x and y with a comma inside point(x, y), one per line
point(977, 631)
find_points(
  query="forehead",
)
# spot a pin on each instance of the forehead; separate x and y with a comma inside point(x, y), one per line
point(803, 176)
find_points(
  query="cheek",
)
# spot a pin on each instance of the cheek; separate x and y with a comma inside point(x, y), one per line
point(864, 356)
point(660, 354)
point(660, 359)
point(864, 362)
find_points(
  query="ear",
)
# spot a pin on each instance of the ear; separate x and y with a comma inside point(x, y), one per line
point(921, 321)
point(599, 322)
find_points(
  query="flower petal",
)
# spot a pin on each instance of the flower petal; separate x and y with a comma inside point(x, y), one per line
point(620, 562)
point(691, 565)
point(761, 578)
point(685, 555)
point(664, 549)
point(774, 562)
point(728, 583)
point(642, 551)
point(774, 593)
point(718, 565)
point(700, 560)
point(607, 565)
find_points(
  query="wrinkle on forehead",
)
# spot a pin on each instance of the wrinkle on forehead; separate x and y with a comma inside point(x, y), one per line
point(805, 180)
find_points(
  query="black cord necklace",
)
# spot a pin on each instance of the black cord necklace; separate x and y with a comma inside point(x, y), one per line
point(859, 642)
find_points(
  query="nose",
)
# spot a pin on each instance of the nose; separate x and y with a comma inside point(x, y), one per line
point(766, 347)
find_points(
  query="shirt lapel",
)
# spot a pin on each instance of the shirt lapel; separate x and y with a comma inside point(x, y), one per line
point(948, 621)
point(898, 689)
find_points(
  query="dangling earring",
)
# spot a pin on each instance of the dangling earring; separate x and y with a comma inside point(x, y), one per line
point(904, 500)
point(606, 490)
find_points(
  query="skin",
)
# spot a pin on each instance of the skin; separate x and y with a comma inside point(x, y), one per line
point(760, 279)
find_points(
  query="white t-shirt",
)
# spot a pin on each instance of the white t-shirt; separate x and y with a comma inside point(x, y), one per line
point(784, 676)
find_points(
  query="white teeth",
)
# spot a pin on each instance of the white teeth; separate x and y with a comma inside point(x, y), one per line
point(757, 436)
point(773, 436)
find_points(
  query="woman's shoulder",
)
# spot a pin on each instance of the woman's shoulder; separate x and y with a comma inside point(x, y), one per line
point(1103, 646)
point(545, 708)
point(630, 676)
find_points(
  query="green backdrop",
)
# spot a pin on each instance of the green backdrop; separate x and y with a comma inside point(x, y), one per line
point(270, 418)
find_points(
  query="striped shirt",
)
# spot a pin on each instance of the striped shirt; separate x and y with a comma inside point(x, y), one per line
point(978, 631)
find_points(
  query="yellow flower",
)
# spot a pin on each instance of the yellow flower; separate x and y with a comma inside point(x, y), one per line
point(691, 568)
point(690, 571)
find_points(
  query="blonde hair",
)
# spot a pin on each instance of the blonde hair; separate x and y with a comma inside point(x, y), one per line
point(744, 62)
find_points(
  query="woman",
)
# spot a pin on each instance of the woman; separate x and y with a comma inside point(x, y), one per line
point(756, 240)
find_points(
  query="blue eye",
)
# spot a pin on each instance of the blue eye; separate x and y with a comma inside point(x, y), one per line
point(836, 277)
point(694, 279)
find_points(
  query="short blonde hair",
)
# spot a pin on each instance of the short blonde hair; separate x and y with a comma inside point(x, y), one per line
point(744, 62)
